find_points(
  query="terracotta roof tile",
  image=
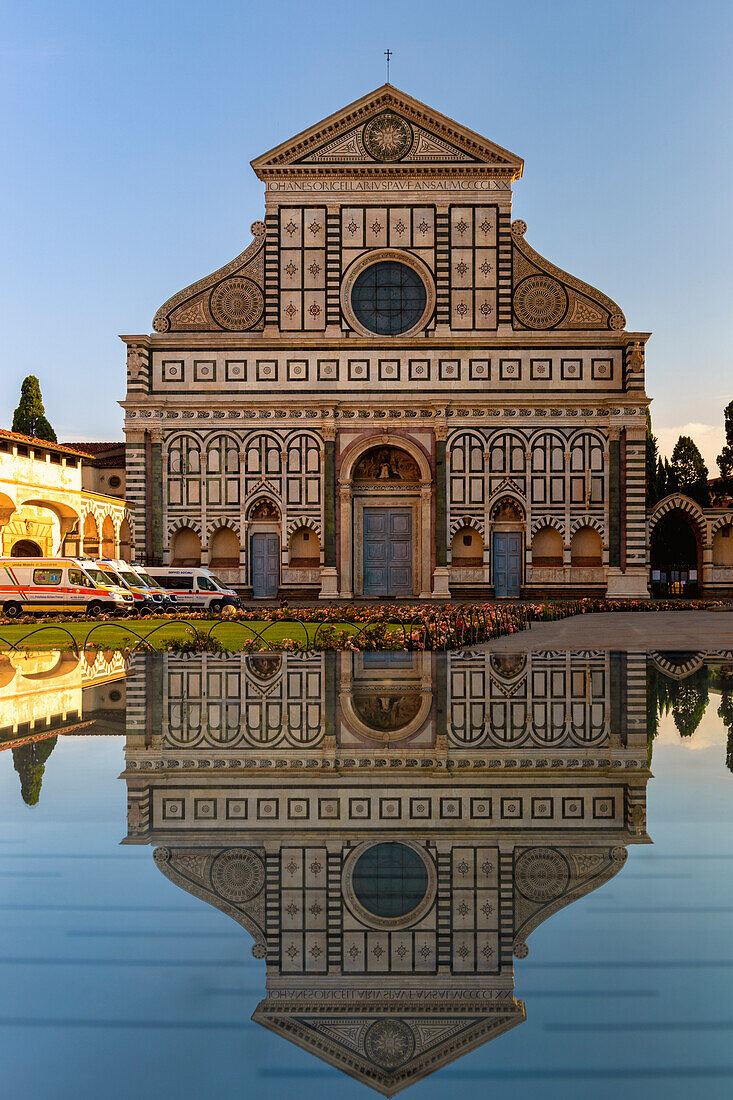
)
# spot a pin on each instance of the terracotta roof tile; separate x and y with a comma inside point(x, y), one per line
point(64, 448)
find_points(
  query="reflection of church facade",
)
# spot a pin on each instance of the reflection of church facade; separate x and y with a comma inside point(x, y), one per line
point(389, 392)
point(389, 828)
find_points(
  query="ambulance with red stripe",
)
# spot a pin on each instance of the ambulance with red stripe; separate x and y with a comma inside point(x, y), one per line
point(31, 585)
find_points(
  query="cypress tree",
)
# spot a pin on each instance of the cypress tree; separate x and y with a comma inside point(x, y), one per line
point(652, 460)
point(725, 458)
point(30, 416)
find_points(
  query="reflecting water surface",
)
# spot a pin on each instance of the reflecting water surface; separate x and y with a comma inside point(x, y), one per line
point(333, 867)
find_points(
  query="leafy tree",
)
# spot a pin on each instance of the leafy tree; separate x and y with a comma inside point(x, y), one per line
point(690, 470)
point(725, 458)
point(30, 416)
point(30, 763)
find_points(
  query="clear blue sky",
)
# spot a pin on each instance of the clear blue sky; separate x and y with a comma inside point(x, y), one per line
point(128, 131)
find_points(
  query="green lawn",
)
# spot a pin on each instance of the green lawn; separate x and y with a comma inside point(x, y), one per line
point(119, 632)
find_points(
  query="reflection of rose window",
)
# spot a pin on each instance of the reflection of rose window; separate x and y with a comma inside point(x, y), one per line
point(389, 880)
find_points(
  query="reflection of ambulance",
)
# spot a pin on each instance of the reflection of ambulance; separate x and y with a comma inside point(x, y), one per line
point(57, 584)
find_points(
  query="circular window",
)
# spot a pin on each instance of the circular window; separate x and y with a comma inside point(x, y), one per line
point(388, 298)
point(389, 880)
point(115, 482)
point(388, 293)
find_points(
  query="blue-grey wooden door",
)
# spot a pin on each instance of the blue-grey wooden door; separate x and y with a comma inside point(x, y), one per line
point(265, 566)
point(387, 552)
point(507, 563)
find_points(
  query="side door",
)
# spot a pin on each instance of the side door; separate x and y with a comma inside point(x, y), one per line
point(514, 565)
point(376, 551)
point(265, 565)
point(501, 564)
point(400, 552)
point(507, 555)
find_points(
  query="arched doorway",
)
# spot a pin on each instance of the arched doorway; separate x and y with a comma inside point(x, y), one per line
point(264, 541)
point(507, 548)
point(675, 554)
point(385, 504)
point(26, 548)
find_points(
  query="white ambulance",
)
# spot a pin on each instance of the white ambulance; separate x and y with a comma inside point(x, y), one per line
point(57, 584)
point(194, 587)
point(148, 598)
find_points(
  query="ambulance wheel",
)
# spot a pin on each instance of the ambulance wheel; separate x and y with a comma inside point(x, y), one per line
point(95, 609)
point(215, 606)
point(12, 610)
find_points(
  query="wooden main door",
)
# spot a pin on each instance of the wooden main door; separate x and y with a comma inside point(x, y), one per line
point(507, 555)
point(388, 552)
point(265, 566)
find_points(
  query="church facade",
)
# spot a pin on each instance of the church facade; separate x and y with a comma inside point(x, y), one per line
point(389, 392)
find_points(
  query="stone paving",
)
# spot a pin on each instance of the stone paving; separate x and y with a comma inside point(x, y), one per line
point(686, 630)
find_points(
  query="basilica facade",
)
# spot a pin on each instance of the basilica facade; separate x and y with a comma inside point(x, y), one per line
point(389, 392)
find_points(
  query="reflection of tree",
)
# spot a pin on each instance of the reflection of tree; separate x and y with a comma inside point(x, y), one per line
point(29, 761)
point(691, 701)
point(686, 698)
point(661, 695)
point(725, 710)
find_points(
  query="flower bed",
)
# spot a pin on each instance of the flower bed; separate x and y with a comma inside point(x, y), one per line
point(372, 627)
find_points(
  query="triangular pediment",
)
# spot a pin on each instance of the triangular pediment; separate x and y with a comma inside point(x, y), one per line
point(387, 129)
point(385, 1051)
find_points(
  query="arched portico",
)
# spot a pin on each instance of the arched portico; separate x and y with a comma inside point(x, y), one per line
point(677, 540)
point(384, 507)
